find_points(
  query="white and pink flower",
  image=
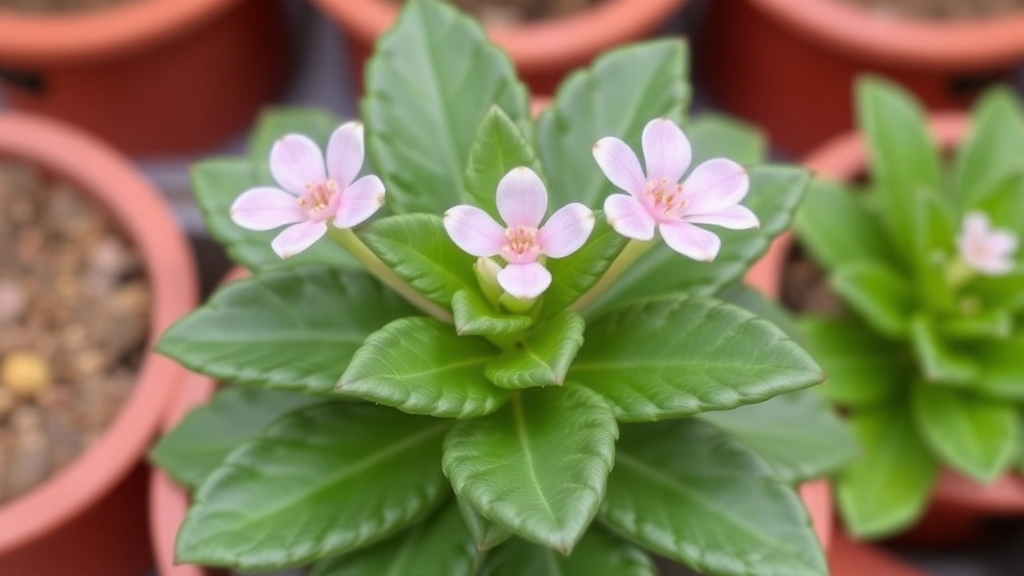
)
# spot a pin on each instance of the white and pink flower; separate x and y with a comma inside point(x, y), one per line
point(709, 195)
point(313, 192)
point(522, 202)
point(985, 249)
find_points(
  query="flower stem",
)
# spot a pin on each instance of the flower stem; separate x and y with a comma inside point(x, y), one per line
point(348, 240)
point(630, 254)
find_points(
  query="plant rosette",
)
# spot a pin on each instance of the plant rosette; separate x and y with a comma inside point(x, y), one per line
point(925, 361)
point(448, 357)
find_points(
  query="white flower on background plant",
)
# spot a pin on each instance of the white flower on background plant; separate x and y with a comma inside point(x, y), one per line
point(313, 193)
point(986, 249)
point(522, 202)
point(710, 195)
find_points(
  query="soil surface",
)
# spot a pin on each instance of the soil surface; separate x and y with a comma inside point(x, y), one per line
point(515, 12)
point(74, 318)
point(805, 287)
point(58, 5)
point(940, 9)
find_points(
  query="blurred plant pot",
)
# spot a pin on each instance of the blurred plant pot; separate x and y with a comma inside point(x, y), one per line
point(92, 513)
point(150, 76)
point(789, 65)
point(959, 506)
point(543, 52)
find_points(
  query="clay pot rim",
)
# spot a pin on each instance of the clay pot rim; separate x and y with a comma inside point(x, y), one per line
point(991, 42)
point(109, 179)
point(535, 47)
point(33, 39)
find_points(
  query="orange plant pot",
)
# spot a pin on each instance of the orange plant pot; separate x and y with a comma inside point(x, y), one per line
point(89, 518)
point(543, 52)
point(150, 76)
point(789, 65)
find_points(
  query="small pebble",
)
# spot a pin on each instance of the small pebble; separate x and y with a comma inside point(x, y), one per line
point(12, 301)
point(26, 374)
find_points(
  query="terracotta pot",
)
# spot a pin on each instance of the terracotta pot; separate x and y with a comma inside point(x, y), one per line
point(849, 558)
point(91, 514)
point(543, 52)
point(959, 505)
point(789, 64)
point(150, 76)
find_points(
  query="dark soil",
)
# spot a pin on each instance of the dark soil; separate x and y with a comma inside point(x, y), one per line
point(805, 287)
point(74, 317)
point(940, 9)
point(57, 5)
point(513, 12)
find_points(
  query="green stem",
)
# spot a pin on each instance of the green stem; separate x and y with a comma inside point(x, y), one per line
point(630, 254)
point(348, 240)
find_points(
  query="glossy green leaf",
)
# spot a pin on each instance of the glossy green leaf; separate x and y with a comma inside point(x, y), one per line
point(749, 299)
point(686, 490)
point(939, 362)
point(274, 123)
point(886, 489)
point(862, 368)
point(317, 483)
point(485, 533)
point(617, 96)
point(543, 358)
point(290, 330)
point(417, 248)
point(439, 545)
point(574, 275)
point(538, 466)
point(672, 357)
point(718, 136)
point(933, 232)
point(201, 442)
point(796, 433)
point(1001, 368)
point(878, 294)
point(421, 366)
point(498, 148)
point(597, 553)
point(474, 315)
point(991, 151)
point(835, 226)
point(431, 81)
point(975, 435)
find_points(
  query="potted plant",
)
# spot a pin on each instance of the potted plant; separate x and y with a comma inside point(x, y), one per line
point(150, 76)
point(567, 35)
point(397, 386)
point(91, 508)
point(788, 64)
point(922, 355)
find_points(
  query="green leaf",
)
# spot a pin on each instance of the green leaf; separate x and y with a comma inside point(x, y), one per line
point(617, 96)
point(862, 368)
point(474, 315)
point(991, 151)
point(485, 533)
point(538, 466)
point(421, 366)
point(217, 183)
point(975, 435)
point(543, 358)
point(996, 292)
point(417, 248)
point(1003, 203)
point(749, 299)
point(673, 357)
point(198, 445)
point(886, 489)
point(319, 482)
point(775, 192)
point(796, 433)
point(939, 363)
point(718, 136)
point(499, 147)
point(835, 226)
point(904, 160)
point(574, 275)
point(597, 553)
point(274, 123)
point(291, 329)
point(439, 545)
point(688, 491)
point(1001, 369)
point(994, 324)
point(878, 294)
point(430, 83)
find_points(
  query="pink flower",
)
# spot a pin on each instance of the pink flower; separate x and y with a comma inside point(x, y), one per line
point(710, 195)
point(985, 249)
point(522, 202)
point(311, 195)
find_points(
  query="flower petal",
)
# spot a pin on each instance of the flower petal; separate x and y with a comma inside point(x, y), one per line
point(345, 152)
point(359, 201)
point(265, 208)
point(297, 237)
point(629, 217)
point(667, 152)
point(976, 225)
point(690, 241)
point(1002, 242)
point(735, 217)
point(295, 161)
point(620, 165)
point(715, 184)
point(522, 199)
point(525, 281)
point(474, 231)
point(566, 231)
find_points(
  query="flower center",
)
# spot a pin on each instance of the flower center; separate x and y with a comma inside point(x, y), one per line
point(522, 245)
point(317, 198)
point(666, 198)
